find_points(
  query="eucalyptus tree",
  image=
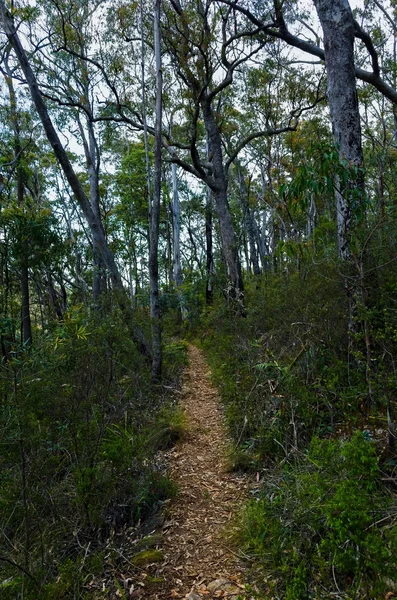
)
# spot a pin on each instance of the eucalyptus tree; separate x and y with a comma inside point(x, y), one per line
point(72, 85)
point(342, 32)
point(208, 46)
point(83, 201)
point(339, 31)
point(275, 19)
point(155, 204)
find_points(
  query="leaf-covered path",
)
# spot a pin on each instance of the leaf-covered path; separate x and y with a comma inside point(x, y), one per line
point(198, 559)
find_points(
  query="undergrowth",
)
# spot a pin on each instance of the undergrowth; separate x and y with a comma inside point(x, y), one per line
point(81, 424)
point(309, 416)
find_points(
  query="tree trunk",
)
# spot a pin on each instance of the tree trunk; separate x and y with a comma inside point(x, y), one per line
point(155, 207)
point(98, 282)
point(92, 163)
point(338, 27)
point(176, 262)
point(209, 290)
point(26, 324)
point(311, 217)
point(235, 287)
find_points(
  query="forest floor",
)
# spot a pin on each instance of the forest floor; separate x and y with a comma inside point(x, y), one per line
point(198, 555)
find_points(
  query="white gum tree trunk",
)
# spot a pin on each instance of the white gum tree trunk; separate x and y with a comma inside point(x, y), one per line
point(338, 28)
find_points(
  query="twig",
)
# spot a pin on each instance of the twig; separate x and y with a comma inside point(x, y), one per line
point(14, 564)
point(241, 554)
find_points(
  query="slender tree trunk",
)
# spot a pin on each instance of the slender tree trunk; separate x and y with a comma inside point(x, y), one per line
point(92, 163)
point(155, 207)
point(176, 263)
point(209, 291)
point(98, 284)
point(311, 217)
point(56, 306)
point(263, 232)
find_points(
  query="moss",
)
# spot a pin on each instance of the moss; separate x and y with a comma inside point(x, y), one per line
point(147, 557)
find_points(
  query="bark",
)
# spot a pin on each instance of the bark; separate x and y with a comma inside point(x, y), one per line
point(338, 27)
point(92, 163)
point(339, 30)
point(209, 291)
point(57, 308)
point(262, 232)
point(176, 262)
point(311, 217)
point(235, 287)
point(25, 306)
point(155, 207)
point(96, 230)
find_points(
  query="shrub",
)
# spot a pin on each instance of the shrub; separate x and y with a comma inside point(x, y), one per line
point(323, 527)
point(78, 418)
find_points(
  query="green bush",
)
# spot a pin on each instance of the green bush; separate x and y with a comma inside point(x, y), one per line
point(81, 423)
point(323, 526)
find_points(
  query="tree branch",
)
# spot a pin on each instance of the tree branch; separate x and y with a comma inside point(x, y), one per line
point(282, 33)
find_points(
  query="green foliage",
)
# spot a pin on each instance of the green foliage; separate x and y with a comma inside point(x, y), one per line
point(273, 370)
point(81, 423)
point(294, 382)
point(319, 528)
point(175, 353)
point(171, 426)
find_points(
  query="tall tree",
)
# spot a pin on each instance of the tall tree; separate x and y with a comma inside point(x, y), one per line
point(206, 70)
point(338, 26)
point(95, 227)
point(155, 204)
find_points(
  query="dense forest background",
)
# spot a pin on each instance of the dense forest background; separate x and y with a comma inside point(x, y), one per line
point(211, 170)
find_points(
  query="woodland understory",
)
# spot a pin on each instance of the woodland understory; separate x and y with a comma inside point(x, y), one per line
point(221, 173)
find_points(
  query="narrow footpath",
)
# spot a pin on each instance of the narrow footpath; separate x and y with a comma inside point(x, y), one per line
point(199, 558)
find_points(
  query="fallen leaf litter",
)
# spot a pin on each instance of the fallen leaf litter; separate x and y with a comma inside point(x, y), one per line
point(198, 562)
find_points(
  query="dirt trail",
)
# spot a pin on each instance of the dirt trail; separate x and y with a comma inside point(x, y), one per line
point(196, 547)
